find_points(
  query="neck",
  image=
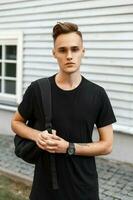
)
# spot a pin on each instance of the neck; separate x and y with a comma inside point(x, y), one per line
point(68, 81)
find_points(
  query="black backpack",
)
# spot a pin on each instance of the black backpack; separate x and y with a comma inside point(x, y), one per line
point(27, 149)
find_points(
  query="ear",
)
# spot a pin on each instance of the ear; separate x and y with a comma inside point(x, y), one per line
point(53, 51)
point(83, 52)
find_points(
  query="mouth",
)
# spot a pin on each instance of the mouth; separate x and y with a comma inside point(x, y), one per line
point(69, 63)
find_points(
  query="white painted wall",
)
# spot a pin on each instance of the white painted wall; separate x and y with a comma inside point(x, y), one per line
point(107, 28)
point(122, 147)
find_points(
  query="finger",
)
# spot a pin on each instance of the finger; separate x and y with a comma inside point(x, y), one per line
point(42, 142)
point(53, 132)
point(51, 143)
point(51, 149)
point(40, 146)
point(45, 131)
point(55, 137)
point(44, 135)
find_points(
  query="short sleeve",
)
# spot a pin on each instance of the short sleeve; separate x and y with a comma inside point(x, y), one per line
point(105, 115)
point(25, 108)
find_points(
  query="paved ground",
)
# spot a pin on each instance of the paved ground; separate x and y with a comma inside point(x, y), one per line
point(115, 178)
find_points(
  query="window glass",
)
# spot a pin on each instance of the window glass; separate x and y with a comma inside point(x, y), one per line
point(10, 69)
point(0, 52)
point(0, 69)
point(10, 87)
point(10, 53)
point(0, 85)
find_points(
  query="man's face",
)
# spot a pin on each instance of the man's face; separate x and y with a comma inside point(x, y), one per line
point(68, 50)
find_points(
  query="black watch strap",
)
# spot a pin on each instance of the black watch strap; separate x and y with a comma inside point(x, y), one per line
point(71, 149)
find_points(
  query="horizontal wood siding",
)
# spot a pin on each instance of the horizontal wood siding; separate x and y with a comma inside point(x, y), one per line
point(107, 28)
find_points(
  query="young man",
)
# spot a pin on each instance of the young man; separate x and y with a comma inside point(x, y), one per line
point(77, 104)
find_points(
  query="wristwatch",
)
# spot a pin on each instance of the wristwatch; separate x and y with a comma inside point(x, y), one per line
point(71, 149)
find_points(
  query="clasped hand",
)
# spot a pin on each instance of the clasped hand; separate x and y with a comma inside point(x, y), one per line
point(51, 142)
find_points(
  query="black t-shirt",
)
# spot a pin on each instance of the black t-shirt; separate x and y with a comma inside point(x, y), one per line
point(74, 114)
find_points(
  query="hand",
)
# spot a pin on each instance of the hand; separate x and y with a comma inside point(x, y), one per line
point(43, 138)
point(51, 142)
point(61, 145)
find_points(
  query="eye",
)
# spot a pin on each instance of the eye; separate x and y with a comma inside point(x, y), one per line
point(61, 50)
point(74, 49)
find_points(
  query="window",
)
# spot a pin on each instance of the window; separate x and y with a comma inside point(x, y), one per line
point(10, 68)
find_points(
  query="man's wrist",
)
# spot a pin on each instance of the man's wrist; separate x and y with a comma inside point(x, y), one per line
point(67, 145)
point(34, 135)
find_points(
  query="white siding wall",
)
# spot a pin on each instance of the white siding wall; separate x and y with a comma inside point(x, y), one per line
point(108, 35)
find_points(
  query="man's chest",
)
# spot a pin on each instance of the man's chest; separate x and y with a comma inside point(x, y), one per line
point(78, 107)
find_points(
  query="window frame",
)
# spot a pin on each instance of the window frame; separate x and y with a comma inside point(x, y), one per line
point(13, 38)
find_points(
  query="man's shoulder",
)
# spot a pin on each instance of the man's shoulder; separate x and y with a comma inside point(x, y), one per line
point(93, 86)
point(39, 80)
point(35, 84)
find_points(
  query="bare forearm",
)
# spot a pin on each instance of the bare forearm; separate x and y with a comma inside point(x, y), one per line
point(21, 129)
point(92, 149)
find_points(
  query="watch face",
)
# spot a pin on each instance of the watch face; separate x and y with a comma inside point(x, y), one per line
point(71, 149)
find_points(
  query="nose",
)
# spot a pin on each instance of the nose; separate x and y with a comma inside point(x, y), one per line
point(69, 55)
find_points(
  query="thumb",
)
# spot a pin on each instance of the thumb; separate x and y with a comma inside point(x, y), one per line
point(54, 136)
point(53, 132)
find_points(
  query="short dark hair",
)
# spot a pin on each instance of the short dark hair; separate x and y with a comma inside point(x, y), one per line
point(64, 28)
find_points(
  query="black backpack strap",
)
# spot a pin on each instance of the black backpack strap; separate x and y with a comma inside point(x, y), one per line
point(45, 88)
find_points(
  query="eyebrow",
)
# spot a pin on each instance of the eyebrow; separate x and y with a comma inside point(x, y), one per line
point(63, 47)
